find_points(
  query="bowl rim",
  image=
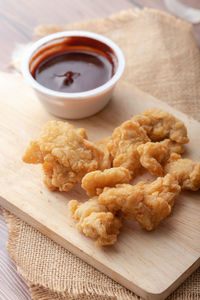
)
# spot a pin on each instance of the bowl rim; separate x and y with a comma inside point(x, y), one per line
point(90, 93)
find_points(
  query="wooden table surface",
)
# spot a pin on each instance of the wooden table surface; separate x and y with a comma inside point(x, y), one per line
point(18, 19)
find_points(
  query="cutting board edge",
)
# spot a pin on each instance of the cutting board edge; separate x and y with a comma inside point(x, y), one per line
point(163, 295)
point(55, 237)
point(70, 247)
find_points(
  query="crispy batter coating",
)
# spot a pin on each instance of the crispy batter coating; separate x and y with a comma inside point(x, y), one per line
point(66, 155)
point(155, 125)
point(123, 146)
point(154, 155)
point(173, 147)
point(160, 125)
point(95, 221)
point(57, 176)
point(93, 182)
point(146, 203)
point(107, 160)
point(33, 154)
point(186, 171)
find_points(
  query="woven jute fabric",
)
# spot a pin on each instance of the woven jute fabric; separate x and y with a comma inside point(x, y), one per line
point(163, 60)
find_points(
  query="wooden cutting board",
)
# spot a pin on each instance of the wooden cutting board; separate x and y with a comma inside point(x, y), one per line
point(152, 264)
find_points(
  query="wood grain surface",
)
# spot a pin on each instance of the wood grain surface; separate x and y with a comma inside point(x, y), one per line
point(131, 261)
point(18, 19)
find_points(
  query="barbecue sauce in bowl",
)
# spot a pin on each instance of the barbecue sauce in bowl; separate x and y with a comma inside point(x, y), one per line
point(73, 65)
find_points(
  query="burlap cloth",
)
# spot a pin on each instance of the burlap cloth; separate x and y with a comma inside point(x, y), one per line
point(163, 60)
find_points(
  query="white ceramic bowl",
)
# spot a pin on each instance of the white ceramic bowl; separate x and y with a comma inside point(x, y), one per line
point(73, 105)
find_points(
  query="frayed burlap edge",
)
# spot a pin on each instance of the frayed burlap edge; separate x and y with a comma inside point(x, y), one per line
point(106, 24)
point(41, 293)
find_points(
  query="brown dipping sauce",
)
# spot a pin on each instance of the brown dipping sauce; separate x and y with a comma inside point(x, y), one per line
point(77, 64)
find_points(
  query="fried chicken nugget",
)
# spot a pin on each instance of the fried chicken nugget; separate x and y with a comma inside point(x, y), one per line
point(173, 147)
point(154, 155)
point(123, 146)
point(58, 176)
point(160, 125)
point(93, 182)
point(186, 171)
point(107, 161)
point(66, 155)
point(146, 203)
point(95, 221)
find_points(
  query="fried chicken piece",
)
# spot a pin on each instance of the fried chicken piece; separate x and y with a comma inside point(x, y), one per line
point(146, 203)
point(33, 154)
point(95, 181)
point(66, 155)
point(153, 124)
point(160, 125)
point(123, 146)
point(186, 171)
point(95, 221)
point(173, 147)
point(154, 155)
point(107, 160)
point(57, 176)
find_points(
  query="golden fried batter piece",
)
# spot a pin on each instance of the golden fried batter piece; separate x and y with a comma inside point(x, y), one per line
point(154, 155)
point(123, 146)
point(160, 125)
point(146, 203)
point(33, 154)
point(58, 176)
point(93, 182)
point(107, 160)
point(173, 147)
point(95, 221)
point(186, 171)
point(66, 155)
